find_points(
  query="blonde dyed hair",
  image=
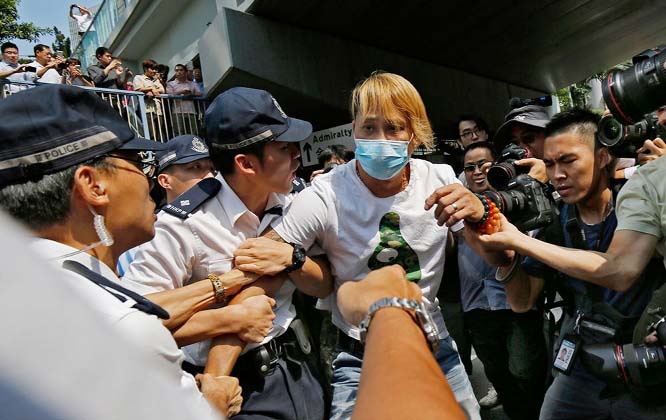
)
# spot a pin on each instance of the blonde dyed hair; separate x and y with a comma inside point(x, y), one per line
point(390, 94)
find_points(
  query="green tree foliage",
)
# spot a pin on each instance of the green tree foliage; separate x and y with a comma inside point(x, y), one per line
point(61, 43)
point(11, 28)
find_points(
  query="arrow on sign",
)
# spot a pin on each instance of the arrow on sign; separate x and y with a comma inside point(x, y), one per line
point(307, 149)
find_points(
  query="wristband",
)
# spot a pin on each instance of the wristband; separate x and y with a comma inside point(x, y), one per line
point(512, 270)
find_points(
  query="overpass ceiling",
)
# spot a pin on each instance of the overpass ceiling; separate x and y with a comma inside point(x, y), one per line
point(537, 44)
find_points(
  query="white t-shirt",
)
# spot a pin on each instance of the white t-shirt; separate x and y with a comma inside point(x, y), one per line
point(50, 76)
point(360, 232)
point(83, 22)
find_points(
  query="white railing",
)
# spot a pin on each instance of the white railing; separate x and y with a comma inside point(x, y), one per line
point(158, 119)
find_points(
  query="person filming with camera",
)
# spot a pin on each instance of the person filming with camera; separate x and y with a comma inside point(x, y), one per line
point(580, 168)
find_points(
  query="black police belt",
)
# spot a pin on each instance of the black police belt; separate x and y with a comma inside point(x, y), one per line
point(263, 359)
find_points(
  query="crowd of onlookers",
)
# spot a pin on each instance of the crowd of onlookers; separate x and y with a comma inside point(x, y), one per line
point(109, 72)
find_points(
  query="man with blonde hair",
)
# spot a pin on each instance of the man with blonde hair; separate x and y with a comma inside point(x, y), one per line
point(370, 213)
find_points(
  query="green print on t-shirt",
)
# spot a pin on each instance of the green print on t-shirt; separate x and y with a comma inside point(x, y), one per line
point(394, 249)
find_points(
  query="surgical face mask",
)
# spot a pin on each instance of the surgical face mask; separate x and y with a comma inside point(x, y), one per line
point(382, 159)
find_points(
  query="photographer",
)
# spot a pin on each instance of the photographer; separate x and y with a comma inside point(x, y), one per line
point(46, 65)
point(108, 72)
point(11, 69)
point(580, 169)
point(72, 74)
point(524, 127)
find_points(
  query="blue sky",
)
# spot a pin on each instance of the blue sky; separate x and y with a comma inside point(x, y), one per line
point(46, 13)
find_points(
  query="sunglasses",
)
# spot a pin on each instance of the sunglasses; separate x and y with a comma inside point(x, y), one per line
point(470, 167)
point(147, 163)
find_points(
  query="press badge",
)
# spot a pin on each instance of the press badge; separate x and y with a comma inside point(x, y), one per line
point(566, 355)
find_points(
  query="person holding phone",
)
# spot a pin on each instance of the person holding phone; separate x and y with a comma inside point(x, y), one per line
point(46, 65)
point(11, 69)
point(72, 74)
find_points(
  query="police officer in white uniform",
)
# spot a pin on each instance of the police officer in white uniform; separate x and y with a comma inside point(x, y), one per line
point(253, 144)
point(74, 173)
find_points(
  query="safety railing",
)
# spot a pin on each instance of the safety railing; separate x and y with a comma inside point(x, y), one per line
point(160, 118)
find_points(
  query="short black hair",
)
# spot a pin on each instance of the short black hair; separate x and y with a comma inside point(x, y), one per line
point(149, 63)
point(481, 145)
point(570, 119)
point(335, 151)
point(100, 51)
point(40, 47)
point(180, 65)
point(6, 45)
point(223, 159)
point(480, 122)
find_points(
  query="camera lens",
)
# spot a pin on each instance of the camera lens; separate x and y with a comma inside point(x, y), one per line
point(610, 131)
point(634, 92)
point(500, 174)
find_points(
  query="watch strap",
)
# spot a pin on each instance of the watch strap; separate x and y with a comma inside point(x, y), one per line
point(297, 258)
point(220, 290)
point(423, 318)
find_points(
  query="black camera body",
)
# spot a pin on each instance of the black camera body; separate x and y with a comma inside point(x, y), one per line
point(504, 170)
point(624, 140)
point(526, 202)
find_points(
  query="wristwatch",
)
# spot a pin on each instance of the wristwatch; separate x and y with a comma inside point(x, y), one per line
point(297, 258)
point(423, 317)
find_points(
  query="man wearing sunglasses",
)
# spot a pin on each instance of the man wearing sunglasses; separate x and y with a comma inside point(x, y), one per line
point(510, 345)
point(73, 172)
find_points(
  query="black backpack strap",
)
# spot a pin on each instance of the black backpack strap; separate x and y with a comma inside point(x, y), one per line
point(189, 201)
point(142, 304)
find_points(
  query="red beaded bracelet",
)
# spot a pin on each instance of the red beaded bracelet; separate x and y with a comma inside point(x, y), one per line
point(491, 220)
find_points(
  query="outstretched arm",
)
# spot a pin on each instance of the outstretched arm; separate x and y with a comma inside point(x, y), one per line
point(269, 255)
point(616, 269)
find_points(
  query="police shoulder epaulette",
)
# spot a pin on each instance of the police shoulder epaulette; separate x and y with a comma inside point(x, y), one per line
point(189, 201)
point(298, 185)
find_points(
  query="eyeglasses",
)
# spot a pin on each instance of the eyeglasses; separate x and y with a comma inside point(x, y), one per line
point(147, 163)
point(473, 132)
point(472, 166)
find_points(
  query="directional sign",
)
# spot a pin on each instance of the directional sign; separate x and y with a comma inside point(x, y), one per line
point(312, 147)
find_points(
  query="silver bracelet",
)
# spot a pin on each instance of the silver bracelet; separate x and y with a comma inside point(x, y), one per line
point(508, 276)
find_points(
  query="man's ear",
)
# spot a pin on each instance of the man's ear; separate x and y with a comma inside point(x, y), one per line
point(90, 185)
point(604, 157)
point(164, 180)
point(246, 164)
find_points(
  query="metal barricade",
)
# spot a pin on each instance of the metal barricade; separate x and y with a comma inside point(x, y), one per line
point(159, 119)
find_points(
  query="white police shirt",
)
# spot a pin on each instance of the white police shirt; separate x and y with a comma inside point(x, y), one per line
point(360, 232)
point(187, 250)
point(146, 331)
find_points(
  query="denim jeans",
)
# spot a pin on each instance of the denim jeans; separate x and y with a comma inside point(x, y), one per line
point(347, 375)
point(576, 397)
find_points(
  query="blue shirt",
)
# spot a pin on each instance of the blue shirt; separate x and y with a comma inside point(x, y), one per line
point(478, 287)
point(597, 238)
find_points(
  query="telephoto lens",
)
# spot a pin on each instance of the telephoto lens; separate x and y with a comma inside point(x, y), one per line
point(638, 90)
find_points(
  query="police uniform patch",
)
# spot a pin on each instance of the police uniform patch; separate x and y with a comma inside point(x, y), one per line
point(198, 145)
point(277, 105)
point(189, 201)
